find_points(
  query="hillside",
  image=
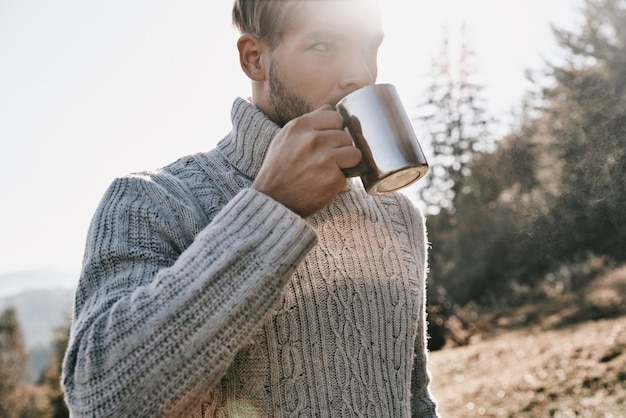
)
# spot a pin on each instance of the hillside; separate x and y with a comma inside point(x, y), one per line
point(578, 371)
point(564, 357)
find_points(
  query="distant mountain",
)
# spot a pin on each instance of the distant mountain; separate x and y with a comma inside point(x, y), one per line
point(39, 312)
point(14, 283)
point(43, 302)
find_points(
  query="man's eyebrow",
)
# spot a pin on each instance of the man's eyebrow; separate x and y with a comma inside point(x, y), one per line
point(335, 36)
point(323, 34)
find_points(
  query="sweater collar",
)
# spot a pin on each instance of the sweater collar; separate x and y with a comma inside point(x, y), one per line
point(246, 145)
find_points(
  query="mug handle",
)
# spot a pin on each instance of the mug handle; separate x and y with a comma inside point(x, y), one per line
point(353, 126)
point(355, 171)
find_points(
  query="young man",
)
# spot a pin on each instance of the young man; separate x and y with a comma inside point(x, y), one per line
point(255, 280)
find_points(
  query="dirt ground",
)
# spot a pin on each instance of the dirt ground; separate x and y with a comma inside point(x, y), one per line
point(561, 365)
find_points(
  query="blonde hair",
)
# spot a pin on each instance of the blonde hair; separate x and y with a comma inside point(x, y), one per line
point(264, 19)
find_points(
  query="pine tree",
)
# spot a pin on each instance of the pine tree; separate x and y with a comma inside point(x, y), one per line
point(457, 131)
point(585, 115)
point(553, 195)
point(456, 128)
point(52, 376)
point(12, 361)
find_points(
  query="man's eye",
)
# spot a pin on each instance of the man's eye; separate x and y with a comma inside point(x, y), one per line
point(324, 46)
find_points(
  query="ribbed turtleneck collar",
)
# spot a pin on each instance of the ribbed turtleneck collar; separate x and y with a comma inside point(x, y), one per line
point(246, 145)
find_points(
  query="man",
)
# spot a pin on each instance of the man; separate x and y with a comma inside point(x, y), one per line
point(255, 280)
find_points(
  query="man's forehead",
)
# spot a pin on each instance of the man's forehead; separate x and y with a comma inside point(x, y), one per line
point(320, 15)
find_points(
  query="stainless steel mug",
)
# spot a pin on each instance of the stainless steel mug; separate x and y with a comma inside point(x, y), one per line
point(381, 129)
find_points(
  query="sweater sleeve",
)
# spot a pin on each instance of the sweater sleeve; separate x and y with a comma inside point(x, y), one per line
point(423, 404)
point(161, 310)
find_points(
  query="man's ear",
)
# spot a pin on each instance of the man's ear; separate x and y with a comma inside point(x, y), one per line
point(252, 50)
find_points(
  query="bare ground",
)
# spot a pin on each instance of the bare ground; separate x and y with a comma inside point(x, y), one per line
point(563, 357)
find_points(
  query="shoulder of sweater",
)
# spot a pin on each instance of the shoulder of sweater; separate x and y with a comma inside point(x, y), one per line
point(178, 179)
point(175, 186)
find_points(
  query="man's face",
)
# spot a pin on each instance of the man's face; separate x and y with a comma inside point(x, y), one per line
point(327, 50)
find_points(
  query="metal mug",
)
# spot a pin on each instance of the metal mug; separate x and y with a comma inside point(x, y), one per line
point(381, 129)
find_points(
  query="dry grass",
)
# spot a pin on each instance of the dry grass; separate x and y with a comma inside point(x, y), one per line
point(570, 362)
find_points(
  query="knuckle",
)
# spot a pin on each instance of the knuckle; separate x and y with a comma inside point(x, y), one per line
point(295, 124)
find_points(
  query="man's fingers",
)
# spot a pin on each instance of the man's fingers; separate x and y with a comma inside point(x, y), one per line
point(324, 118)
point(334, 138)
point(348, 156)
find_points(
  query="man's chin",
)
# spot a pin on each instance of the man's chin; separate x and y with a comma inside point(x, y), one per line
point(281, 119)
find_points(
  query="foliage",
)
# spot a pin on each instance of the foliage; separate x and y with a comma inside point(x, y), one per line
point(457, 127)
point(553, 193)
point(52, 376)
point(587, 118)
point(17, 398)
point(12, 360)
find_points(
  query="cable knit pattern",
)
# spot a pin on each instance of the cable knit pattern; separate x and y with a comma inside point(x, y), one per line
point(202, 297)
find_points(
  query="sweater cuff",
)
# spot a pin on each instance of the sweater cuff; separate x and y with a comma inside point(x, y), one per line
point(259, 215)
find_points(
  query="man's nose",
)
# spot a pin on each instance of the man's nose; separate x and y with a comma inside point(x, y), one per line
point(359, 71)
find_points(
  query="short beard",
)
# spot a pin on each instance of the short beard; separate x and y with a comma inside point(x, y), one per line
point(287, 104)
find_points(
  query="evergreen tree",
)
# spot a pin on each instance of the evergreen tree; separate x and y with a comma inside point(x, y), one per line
point(554, 192)
point(52, 376)
point(585, 115)
point(456, 127)
point(12, 361)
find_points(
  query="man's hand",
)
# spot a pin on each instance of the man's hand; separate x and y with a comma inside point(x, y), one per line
point(302, 168)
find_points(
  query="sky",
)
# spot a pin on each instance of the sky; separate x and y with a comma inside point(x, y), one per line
point(93, 90)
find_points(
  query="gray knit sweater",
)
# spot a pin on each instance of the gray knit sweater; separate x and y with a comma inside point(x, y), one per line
point(202, 297)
